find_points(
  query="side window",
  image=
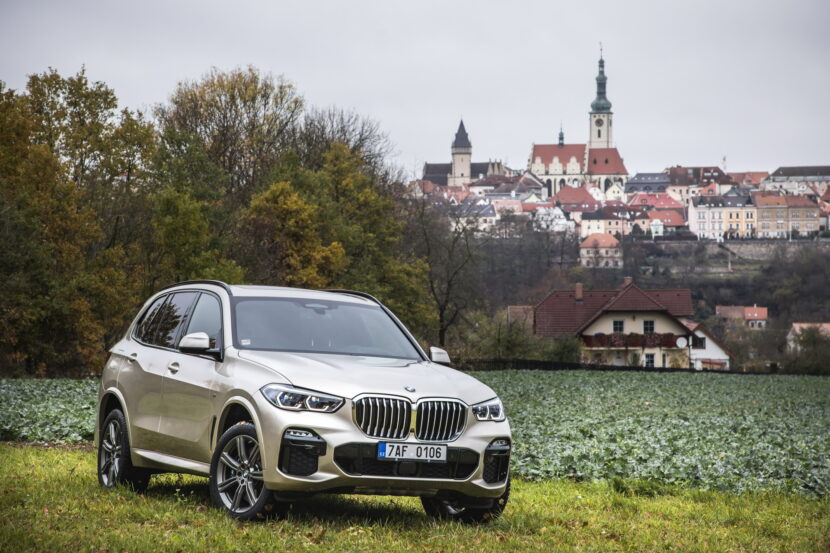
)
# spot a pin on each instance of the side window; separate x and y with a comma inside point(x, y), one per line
point(171, 317)
point(207, 318)
point(145, 329)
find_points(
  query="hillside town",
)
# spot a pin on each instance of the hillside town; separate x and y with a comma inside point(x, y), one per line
point(584, 189)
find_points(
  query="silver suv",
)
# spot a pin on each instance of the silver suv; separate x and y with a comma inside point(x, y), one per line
point(276, 393)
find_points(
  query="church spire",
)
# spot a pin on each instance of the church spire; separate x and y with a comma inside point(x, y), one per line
point(561, 135)
point(601, 103)
point(461, 138)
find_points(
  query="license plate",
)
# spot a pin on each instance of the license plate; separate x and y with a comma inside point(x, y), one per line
point(388, 451)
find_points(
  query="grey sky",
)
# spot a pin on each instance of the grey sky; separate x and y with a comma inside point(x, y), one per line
point(690, 82)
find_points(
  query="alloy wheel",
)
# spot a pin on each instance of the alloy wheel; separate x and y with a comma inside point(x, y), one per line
point(239, 478)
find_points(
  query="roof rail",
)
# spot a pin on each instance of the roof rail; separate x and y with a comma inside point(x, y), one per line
point(213, 282)
point(354, 293)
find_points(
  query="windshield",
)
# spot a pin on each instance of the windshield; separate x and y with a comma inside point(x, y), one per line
point(318, 326)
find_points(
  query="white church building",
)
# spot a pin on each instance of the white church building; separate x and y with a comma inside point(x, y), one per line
point(596, 164)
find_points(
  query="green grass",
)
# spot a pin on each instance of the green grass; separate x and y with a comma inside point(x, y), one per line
point(50, 501)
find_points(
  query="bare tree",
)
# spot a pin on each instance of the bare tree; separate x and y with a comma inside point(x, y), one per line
point(447, 242)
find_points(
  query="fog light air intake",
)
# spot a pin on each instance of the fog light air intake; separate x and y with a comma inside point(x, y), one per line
point(496, 461)
point(300, 451)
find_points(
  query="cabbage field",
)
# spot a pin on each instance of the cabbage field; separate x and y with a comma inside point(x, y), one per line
point(712, 431)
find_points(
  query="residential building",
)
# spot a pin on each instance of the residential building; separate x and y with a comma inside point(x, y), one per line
point(707, 352)
point(657, 200)
point(752, 316)
point(697, 178)
point(648, 183)
point(780, 214)
point(715, 217)
point(750, 179)
point(796, 329)
point(601, 251)
point(597, 163)
point(666, 221)
point(627, 326)
point(462, 171)
point(799, 180)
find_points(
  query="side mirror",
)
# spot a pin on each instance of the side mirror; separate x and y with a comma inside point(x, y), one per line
point(439, 355)
point(198, 342)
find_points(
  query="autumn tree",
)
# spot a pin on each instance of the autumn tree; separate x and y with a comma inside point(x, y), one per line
point(244, 119)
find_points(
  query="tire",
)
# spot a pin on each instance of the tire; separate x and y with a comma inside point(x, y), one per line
point(236, 480)
point(114, 465)
point(443, 509)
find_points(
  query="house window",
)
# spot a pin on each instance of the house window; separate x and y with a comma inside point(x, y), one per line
point(650, 360)
point(648, 327)
point(619, 326)
point(698, 342)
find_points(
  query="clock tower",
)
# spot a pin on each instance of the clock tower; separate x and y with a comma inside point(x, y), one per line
point(601, 119)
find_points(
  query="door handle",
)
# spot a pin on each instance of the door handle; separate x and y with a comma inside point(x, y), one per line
point(173, 367)
point(132, 357)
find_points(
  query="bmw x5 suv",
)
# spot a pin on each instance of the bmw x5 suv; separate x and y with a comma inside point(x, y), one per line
point(276, 393)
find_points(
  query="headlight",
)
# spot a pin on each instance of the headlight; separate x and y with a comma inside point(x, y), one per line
point(299, 399)
point(491, 410)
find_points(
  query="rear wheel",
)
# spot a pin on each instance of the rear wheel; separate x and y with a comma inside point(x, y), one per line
point(445, 509)
point(114, 465)
point(236, 481)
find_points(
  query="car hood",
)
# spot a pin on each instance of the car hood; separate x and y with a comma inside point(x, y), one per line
point(349, 376)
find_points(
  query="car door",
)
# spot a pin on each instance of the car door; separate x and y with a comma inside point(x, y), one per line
point(188, 383)
point(140, 377)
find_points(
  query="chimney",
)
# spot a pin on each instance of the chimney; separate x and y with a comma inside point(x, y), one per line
point(628, 281)
point(578, 291)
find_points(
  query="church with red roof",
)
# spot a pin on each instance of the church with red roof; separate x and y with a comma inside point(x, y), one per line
point(595, 164)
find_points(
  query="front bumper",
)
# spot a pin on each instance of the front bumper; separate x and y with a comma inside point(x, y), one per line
point(339, 457)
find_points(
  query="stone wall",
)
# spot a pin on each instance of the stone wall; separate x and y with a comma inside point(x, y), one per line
point(751, 250)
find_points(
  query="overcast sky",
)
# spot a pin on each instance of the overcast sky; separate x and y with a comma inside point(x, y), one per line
point(690, 81)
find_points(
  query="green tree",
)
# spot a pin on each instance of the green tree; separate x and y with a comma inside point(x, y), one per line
point(49, 322)
point(281, 242)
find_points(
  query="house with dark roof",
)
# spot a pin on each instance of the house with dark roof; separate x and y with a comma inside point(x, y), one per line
point(801, 180)
point(624, 327)
point(648, 183)
point(462, 171)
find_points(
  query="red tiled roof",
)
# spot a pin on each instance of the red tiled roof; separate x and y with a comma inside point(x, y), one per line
point(752, 178)
point(605, 161)
point(600, 240)
point(659, 200)
point(560, 314)
point(546, 152)
point(799, 201)
point(747, 313)
point(580, 196)
point(669, 217)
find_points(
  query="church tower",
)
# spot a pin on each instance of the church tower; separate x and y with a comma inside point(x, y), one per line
point(462, 152)
point(601, 119)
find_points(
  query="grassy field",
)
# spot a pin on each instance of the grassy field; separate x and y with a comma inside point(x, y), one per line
point(50, 501)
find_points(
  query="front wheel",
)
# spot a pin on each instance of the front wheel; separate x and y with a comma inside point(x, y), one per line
point(236, 481)
point(114, 465)
point(445, 509)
